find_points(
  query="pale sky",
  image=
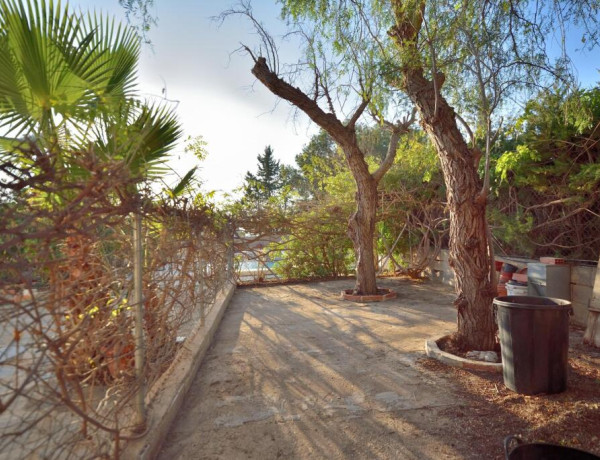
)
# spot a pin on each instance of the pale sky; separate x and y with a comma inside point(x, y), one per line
point(219, 98)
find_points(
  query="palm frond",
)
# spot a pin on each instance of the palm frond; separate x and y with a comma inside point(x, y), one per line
point(54, 63)
point(184, 183)
point(139, 134)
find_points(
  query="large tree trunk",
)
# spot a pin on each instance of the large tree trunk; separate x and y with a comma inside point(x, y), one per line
point(361, 226)
point(469, 246)
point(361, 230)
point(469, 255)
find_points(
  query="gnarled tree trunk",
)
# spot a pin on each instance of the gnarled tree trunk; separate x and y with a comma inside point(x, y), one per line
point(470, 256)
point(361, 225)
point(361, 230)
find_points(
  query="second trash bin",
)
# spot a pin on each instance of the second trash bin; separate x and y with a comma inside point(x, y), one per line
point(534, 338)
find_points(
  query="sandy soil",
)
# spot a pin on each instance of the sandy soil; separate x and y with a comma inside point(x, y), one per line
point(296, 373)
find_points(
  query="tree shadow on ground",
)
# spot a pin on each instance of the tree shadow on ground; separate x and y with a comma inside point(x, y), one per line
point(295, 372)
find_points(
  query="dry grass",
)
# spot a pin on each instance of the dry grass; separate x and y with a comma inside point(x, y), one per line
point(571, 418)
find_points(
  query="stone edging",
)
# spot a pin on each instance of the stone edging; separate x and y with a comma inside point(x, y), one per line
point(166, 396)
point(347, 295)
point(433, 351)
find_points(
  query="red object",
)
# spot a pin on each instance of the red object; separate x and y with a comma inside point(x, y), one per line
point(521, 277)
point(505, 276)
point(552, 260)
point(498, 265)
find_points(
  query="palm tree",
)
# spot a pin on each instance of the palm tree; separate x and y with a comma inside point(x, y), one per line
point(69, 80)
point(59, 70)
point(67, 84)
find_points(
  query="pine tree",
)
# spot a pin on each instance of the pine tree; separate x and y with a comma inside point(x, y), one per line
point(269, 172)
point(267, 182)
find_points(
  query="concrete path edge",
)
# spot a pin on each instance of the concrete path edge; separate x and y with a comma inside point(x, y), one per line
point(433, 351)
point(166, 396)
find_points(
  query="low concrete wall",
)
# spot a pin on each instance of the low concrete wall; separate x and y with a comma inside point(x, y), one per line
point(582, 282)
point(165, 397)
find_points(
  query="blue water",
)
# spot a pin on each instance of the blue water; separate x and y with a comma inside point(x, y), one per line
point(254, 265)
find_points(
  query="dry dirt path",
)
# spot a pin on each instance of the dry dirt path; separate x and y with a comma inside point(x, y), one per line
point(296, 373)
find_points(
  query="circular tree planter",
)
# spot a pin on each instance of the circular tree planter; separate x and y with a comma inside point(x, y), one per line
point(382, 294)
point(433, 351)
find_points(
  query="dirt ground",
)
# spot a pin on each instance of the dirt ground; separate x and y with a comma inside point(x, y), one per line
point(296, 373)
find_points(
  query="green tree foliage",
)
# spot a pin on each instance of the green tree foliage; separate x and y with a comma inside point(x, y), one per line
point(316, 242)
point(463, 64)
point(340, 84)
point(373, 140)
point(411, 214)
point(319, 159)
point(267, 182)
point(69, 120)
point(295, 186)
point(316, 245)
point(67, 83)
point(413, 221)
point(58, 69)
point(548, 179)
point(140, 135)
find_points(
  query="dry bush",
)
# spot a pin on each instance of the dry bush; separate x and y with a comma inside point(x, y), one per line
point(67, 377)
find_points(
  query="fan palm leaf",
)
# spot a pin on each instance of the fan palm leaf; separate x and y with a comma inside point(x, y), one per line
point(57, 67)
point(141, 135)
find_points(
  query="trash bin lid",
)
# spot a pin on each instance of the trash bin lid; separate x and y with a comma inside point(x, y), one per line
point(532, 302)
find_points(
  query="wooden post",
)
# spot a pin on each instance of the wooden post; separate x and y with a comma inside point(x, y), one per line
point(592, 332)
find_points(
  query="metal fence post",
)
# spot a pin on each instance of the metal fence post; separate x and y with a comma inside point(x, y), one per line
point(230, 255)
point(138, 300)
point(202, 304)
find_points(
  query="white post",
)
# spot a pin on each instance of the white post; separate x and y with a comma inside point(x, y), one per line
point(592, 332)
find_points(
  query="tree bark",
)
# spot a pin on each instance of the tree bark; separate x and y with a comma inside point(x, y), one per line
point(469, 246)
point(361, 230)
point(361, 225)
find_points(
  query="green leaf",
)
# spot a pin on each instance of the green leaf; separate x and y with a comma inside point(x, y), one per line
point(183, 183)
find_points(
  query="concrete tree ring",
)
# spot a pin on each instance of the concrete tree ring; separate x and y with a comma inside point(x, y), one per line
point(382, 295)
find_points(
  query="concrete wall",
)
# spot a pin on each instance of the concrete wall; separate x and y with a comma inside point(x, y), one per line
point(582, 282)
point(167, 395)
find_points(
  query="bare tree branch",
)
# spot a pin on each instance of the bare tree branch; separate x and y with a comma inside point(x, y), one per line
point(282, 89)
point(357, 114)
point(397, 130)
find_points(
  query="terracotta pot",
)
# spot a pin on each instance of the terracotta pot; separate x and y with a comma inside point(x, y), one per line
point(552, 260)
point(520, 277)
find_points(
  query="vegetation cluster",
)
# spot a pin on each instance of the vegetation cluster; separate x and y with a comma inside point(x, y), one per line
point(543, 196)
point(102, 264)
